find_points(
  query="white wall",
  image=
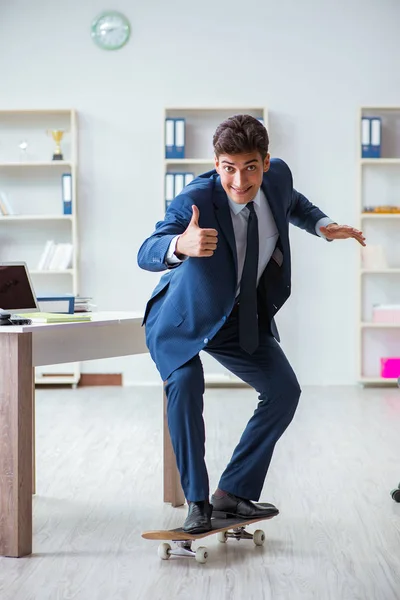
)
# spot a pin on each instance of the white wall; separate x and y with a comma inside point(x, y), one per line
point(313, 64)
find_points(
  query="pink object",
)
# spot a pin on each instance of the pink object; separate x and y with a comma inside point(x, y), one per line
point(386, 314)
point(390, 368)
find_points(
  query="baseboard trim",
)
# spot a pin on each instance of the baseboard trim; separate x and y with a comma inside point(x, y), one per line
point(95, 379)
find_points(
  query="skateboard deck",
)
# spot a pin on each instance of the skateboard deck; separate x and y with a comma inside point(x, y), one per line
point(224, 527)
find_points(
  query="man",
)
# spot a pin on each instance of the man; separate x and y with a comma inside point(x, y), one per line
point(225, 243)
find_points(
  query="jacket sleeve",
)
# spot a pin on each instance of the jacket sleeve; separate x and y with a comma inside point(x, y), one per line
point(303, 213)
point(152, 253)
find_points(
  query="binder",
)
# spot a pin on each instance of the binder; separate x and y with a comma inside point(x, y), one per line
point(365, 137)
point(371, 134)
point(67, 193)
point(376, 127)
point(169, 187)
point(179, 138)
point(179, 182)
point(169, 138)
point(188, 178)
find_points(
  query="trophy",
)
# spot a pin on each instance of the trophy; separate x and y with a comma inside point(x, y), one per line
point(57, 135)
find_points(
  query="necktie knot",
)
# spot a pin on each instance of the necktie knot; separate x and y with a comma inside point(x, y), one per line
point(250, 206)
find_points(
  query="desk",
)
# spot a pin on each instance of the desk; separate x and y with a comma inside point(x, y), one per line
point(22, 348)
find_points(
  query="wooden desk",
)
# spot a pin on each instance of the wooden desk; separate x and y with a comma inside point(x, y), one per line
point(22, 348)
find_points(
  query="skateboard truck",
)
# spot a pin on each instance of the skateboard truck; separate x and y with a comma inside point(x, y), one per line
point(184, 549)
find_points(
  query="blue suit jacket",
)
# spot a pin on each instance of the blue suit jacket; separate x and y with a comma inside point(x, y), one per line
point(193, 300)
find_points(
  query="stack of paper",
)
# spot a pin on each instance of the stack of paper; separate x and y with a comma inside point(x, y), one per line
point(83, 304)
point(42, 317)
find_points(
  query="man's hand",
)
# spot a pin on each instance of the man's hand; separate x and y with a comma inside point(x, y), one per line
point(196, 241)
point(342, 232)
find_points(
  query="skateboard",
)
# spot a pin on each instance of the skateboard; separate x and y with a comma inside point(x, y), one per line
point(224, 527)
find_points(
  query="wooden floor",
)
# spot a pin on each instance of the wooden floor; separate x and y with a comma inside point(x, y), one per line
point(99, 485)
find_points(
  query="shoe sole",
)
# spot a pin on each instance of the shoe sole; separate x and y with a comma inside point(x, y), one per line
point(218, 514)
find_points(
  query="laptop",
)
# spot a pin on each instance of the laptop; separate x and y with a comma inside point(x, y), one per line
point(16, 290)
point(17, 298)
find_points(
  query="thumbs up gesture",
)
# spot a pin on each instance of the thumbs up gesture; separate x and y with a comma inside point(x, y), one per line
point(196, 241)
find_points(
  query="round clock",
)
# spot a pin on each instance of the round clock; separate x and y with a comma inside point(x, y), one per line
point(111, 30)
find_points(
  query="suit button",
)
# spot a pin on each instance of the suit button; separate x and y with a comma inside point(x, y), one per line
point(206, 340)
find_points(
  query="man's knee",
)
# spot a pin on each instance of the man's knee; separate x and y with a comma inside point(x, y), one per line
point(186, 380)
point(285, 393)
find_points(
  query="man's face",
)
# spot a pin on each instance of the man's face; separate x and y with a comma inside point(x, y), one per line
point(241, 174)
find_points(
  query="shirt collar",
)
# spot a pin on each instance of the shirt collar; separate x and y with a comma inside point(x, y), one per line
point(237, 208)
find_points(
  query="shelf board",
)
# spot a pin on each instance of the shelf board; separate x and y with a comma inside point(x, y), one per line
point(214, 108)
point(380, 161)
point(379, 271)
point(51, 272)
point(36, 111)
point(189, 161)
point(50, 163)
point(36, 218)
point(396, 108)
point(57, 379)
point(380, 325)
point(366, 215)
point(378, 380)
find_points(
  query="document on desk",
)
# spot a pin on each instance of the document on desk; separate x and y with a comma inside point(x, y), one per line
point(44, 317)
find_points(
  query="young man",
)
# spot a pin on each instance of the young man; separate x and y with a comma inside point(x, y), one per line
point(225, 245)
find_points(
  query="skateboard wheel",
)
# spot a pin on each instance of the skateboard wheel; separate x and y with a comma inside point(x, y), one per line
point(222, 536)
point(259, 537)
point(201, 554)
point(164, 551)
point(396, 495)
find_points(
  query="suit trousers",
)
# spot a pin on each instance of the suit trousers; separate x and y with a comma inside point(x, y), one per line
point(268, 371)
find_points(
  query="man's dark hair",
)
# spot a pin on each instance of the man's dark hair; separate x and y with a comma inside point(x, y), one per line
point(241, 134)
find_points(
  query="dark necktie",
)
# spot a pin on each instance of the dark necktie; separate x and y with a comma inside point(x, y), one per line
point(248, 319)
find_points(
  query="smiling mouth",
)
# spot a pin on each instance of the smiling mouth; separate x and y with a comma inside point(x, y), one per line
point(237, 191)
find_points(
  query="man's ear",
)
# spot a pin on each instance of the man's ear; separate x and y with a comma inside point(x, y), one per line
point(216, 163)
point(267, 163)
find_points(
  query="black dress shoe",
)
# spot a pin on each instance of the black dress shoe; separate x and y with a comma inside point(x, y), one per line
point(198, 519)
point(232, 506)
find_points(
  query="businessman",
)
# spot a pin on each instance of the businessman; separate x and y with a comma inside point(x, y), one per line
point(224, 243)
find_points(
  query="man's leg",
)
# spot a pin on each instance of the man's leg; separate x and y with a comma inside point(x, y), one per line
point(269, 372)
point(184, 389)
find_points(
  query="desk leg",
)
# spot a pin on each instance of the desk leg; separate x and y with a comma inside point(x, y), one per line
point(172, 488)
point(33, 434)
point(15, 444)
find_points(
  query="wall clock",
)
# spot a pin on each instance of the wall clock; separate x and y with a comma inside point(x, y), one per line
point(111, 30)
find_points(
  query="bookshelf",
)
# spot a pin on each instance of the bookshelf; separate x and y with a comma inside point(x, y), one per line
point(200, 125)
point(31, 183)
point(378, 181)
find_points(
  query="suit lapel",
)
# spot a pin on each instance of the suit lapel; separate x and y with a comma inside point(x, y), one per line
point(277, 205)
point(223, 214)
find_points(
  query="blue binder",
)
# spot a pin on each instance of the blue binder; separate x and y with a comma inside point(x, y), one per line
point(175, 138)
point(169, 138)
point(371, 133)
point(66, 179)
point(376, 130)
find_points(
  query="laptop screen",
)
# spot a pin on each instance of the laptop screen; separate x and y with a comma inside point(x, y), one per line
point(16, 291)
